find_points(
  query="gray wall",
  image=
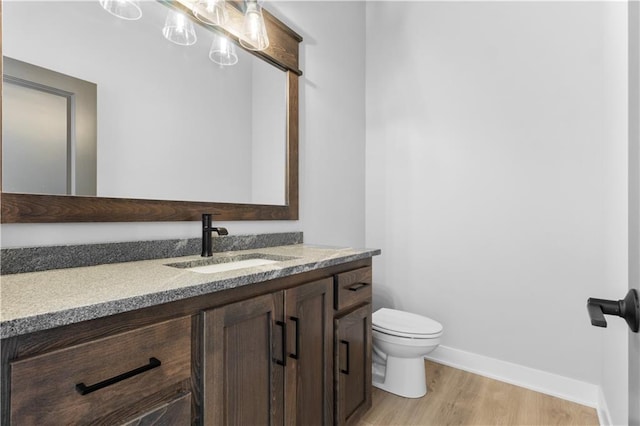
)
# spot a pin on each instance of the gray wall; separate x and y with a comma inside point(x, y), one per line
point(496, 168)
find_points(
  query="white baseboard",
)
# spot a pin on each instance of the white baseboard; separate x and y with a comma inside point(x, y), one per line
point(604, 417)
point(540, 381)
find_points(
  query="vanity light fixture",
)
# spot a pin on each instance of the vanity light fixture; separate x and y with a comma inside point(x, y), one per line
point(179, 29)
point(222, 51)
point(253, 35)
point(124, 9)
point(211, 12)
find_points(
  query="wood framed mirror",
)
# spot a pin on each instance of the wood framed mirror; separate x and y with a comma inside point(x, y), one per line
point(282, 53)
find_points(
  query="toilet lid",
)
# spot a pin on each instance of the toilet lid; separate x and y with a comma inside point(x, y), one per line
point(404, 323)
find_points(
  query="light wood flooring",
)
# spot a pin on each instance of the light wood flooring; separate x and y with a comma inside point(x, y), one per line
point(456, 397)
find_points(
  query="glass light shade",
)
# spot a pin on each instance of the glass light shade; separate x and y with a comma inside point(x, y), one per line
point(254, 32)
point(179, 29)
point(223, 51)
point(124, 9)
point(211, 12)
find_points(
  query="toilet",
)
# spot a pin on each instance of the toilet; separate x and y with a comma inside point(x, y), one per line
point(400, 342)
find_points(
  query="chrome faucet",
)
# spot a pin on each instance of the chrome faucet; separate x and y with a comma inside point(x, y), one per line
point(207, 229)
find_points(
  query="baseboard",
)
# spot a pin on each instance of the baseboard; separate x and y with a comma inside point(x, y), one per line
point(604, 417)
point(540, 381)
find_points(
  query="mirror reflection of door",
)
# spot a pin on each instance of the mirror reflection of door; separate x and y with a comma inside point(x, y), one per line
point(27, 111)
point(45, 126)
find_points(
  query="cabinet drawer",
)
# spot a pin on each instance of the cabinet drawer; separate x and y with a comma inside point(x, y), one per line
point(352, 288)
point(174, 413)
point(113, 373)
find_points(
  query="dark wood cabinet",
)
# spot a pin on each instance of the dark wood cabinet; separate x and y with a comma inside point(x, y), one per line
point(105, 381)
point(176, 412)
point(309, 370)
point(243, 375)
point(352, 345)
point(267, 360)
point(353, 365)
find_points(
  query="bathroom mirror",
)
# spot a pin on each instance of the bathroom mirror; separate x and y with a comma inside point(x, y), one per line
point(156, 174)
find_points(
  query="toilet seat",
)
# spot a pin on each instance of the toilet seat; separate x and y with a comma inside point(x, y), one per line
point(405, 324)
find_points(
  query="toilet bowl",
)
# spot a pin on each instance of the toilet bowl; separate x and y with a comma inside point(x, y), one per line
point(400, 342)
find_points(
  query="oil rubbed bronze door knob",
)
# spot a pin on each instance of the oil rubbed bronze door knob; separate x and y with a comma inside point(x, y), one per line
point(627, 308)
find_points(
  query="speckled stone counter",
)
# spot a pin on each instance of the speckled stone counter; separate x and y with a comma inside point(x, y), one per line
point(34, 259)
point(37, 301)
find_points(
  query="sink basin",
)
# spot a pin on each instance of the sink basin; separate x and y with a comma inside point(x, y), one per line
point(230, 266)
point(215, 264)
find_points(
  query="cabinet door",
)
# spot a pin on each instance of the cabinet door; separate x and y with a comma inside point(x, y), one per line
point(309, 372)
point(353, 365)
point(243, 348)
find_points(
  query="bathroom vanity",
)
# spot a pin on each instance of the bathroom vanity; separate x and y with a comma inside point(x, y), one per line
point(139, 342)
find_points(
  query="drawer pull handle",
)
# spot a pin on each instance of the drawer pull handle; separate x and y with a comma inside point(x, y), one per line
point(346, 371)
point(84, 389)
point(358, 286)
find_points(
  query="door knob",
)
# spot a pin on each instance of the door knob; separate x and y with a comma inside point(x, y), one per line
point(627, 308)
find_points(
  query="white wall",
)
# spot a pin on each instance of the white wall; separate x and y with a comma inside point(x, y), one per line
point(332, 118)
point(489, 162)
point(331, 144)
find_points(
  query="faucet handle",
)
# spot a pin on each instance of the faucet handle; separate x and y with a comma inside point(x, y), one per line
point(220, 231)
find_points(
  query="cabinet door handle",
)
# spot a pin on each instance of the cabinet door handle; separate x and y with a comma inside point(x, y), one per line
point(358, 286)
point(346, 371)
point(283, 362)
point(84, 389)
point(297, 354)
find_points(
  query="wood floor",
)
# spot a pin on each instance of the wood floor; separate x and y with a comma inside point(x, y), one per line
point(456, 397)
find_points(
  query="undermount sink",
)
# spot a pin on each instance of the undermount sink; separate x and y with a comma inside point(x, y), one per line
point(215, 264)
point(230, 266)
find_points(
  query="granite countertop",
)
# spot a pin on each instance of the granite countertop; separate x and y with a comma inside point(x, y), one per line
point(37, 301)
